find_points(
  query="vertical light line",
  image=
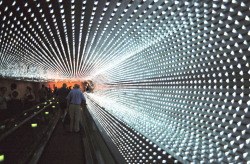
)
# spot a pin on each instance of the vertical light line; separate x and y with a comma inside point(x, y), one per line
point(73, 36)
point(86, 54)
point(80, 38)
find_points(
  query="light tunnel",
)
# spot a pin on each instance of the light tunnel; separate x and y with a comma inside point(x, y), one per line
point(171, 77)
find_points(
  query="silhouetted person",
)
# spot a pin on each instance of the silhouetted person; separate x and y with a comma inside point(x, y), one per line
point(75, 100)
point(55, 91)
point(42, 93)
point(13, 88)
point(15, 106)
point(29, 98)
point(70, 88)
point(49, 91)
point(4, 98)
point(61, 95)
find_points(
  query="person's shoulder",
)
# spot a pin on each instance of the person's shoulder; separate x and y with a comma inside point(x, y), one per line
point(62, 89)
point(78, 90)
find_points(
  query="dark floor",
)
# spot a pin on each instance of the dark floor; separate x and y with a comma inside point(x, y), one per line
point(63, 148)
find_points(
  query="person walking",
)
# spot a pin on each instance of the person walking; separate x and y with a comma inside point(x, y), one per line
point(61, 96)
point(75, 99)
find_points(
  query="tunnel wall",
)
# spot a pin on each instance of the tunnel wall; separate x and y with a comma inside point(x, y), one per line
point(186, 87)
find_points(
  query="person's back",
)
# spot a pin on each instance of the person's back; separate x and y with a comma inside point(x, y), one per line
point(42, 94)
point(76, 96)
point(75, 100)
point(61, 95)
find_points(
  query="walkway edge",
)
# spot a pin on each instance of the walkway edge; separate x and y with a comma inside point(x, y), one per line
point(35, 158)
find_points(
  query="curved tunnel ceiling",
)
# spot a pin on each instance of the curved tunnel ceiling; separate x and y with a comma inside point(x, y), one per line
point(56, 39)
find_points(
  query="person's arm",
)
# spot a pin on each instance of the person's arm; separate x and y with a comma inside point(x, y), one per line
point(83, 104)
point(68, 99)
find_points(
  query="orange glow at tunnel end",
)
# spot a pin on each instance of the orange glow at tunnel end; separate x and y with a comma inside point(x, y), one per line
point(53, 85)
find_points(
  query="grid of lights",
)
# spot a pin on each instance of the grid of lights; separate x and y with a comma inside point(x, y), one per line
point(176, 72)
point(184, 81)
point(133, 146)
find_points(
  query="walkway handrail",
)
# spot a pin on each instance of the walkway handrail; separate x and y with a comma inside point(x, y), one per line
point(107, 140)
point(3, 136)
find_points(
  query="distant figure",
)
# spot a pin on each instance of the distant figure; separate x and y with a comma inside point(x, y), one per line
point(55, 91)
point(49, 92)
point(42, 93)
point(75, 100)
point(29, 98)
point(15, 106)
point(61, 95)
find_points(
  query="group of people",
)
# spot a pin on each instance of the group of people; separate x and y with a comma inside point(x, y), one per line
point(46, 93)
point(71, 101)
point(12, 103)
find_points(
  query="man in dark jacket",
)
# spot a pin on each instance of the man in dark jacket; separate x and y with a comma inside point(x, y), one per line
point(61, 96)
